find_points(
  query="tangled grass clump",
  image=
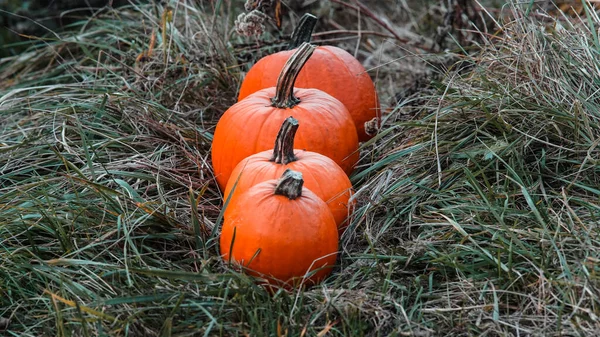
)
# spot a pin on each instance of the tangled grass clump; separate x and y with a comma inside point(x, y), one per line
point(493, 186)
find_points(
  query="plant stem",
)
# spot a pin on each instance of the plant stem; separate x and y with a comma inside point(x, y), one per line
point(303, 31)
point(284, 93)
point(290, 184)
point(283, 151)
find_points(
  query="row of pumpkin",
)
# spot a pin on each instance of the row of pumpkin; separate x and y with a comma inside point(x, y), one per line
point(282, 156)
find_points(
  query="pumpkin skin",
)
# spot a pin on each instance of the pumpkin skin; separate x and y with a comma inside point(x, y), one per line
point(295, 236)
point(251, 125)
point(330, 69)
point(321, 175)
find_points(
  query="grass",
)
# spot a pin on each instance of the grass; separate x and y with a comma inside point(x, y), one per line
point(478, 203)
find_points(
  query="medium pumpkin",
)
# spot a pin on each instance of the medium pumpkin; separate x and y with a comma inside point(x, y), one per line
point(321, 175)
point(280, 231)
point(250, 126)
point(330, 69)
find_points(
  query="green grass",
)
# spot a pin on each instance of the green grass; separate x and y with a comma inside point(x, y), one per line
point(478, 203)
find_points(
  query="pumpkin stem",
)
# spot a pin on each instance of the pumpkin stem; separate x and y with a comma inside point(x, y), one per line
point(284, 91)
point(303, 31)
point(290, 184)
point(283, 151)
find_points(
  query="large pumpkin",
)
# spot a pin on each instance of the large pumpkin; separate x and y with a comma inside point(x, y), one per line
point(251, 125)
point(330, 69)
point(321, 175)
point(280, 231)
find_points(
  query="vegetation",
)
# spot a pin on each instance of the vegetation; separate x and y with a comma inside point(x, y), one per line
point(478, 206)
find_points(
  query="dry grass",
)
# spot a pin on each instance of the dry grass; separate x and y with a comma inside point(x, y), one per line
point(478, 202)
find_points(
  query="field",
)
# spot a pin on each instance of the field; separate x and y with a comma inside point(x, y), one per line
point(478, 202)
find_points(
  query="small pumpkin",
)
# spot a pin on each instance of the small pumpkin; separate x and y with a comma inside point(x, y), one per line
point(280, 231)
point(330, 69)
point(321, 175)
point(250, 126)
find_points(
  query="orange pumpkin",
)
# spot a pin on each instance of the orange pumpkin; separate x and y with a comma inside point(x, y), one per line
point(250, 126)
point(321, 175)
point(280, 231)
point(330, 69)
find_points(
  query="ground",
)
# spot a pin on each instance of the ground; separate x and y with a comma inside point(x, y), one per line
point(477, 203)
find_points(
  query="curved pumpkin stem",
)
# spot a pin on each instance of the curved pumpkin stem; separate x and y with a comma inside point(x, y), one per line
point(290, 184)
point(283, 151)
point(284, 91)
point(303, 31)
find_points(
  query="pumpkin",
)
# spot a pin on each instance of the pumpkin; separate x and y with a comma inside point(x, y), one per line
point(280, 231)
point(250, 126)
point(321, 175)
point(330, 69)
